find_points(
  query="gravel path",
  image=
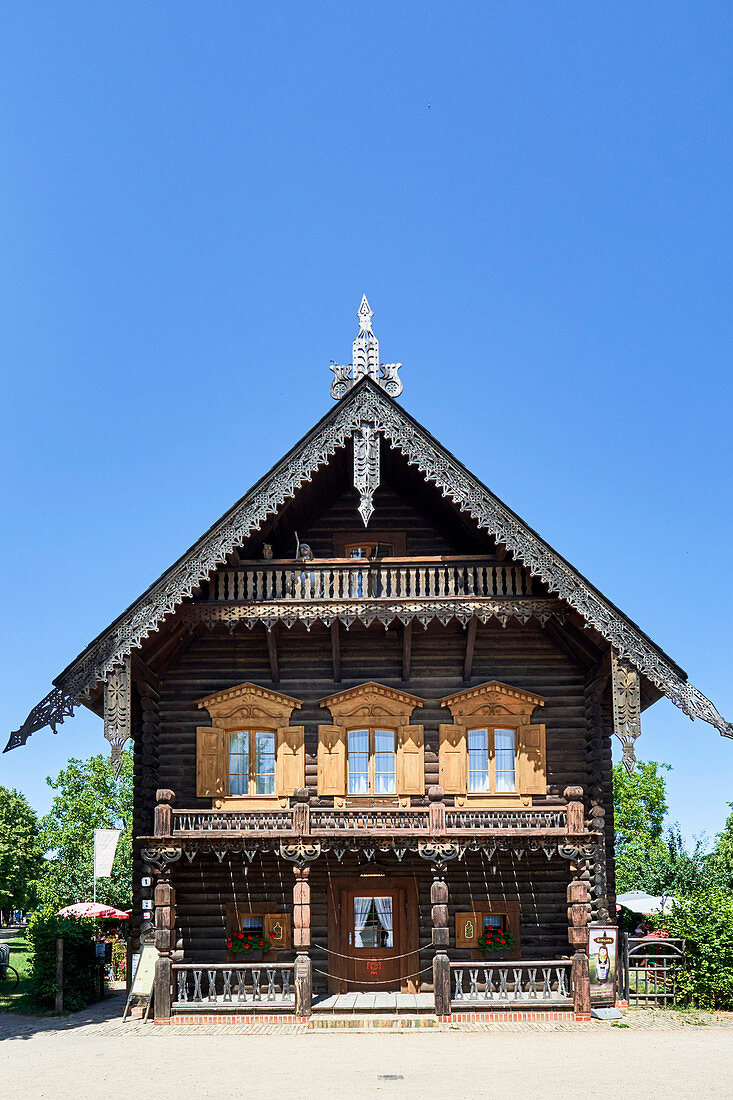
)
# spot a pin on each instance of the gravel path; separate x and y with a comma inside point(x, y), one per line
point(92, 1055)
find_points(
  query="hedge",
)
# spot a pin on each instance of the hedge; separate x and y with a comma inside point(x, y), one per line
point(79, 963)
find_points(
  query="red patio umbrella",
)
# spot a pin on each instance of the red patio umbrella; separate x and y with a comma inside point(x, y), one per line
point(93, 909)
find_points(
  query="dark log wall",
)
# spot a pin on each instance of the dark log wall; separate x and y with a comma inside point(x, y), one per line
point(522, 656)
point(205, 887)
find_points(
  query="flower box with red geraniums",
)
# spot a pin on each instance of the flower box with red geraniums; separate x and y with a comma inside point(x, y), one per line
point(249, 945)
point(495, 940)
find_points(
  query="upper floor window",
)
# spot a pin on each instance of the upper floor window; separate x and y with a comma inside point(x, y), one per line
point(371, 761)
point(251, 762)
point(491, 760)
point(369, 550)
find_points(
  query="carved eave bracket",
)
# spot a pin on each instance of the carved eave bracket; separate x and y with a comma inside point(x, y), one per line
point(626, 691)
point(118, 711)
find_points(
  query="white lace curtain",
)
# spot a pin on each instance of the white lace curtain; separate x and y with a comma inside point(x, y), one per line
point(384, 912)
point(361, 913)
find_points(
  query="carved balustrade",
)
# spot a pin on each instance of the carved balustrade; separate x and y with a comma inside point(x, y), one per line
point(318, 822)
point(357, 579)
point(544, 982)
point(248, 986)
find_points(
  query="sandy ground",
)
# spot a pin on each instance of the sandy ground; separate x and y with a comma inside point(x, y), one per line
point(85, 1061)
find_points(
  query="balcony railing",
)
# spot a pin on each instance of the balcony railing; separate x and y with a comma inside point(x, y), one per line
point(433, 820)
point(244, 986)
point(356, 579)
point(543, 983)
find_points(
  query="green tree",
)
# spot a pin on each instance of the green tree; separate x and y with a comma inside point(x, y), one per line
point(639, 808)
point(721, 859)
point(88, 798)
point(704, 921)
point(20, 852)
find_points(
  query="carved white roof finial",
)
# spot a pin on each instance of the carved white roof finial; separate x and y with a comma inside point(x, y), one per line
point(365, 361)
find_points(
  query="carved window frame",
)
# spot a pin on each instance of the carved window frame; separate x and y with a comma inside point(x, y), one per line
point(493, 706)
point(248, 707)
point(368, 706)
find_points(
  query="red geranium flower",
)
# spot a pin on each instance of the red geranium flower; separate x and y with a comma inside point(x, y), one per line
point(246, 947)
point(260, 943)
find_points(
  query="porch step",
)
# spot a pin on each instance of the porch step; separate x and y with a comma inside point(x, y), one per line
point(350, 1004)
point(394, 1021)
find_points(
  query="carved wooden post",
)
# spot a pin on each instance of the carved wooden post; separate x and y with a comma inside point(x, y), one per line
point(301, 812)
point(436, 812)
point(439, 914)
point(578, 916)
point(165, 922)
point(301, 940)
point(164, 812)
point(574, 797)
point(59, 1002)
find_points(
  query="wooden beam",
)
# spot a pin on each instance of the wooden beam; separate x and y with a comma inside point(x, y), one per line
point(406, 650)
point(141, 671)
point(336, 650)
point(470, 646)
point(272, 654)
point(177, 643)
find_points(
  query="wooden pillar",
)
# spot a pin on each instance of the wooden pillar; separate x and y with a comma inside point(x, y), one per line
point(436, 811)
point(59, 1002)
point(441, 962)
point(165, 921)
point(303, 979)
point(576, 810)
point(301, 811)
point(578, 916)
point(164, 812)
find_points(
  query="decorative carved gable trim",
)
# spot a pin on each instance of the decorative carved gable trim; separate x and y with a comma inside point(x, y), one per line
point(371, 700)
point(365, 403)
point(491, 700)
point(248, 702)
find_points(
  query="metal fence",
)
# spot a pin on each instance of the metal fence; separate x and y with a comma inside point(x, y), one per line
point(649, 970)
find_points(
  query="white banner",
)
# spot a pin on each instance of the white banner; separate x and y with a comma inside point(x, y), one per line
point(105, 846)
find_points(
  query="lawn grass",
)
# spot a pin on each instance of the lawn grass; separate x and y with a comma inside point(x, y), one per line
point(20, 998)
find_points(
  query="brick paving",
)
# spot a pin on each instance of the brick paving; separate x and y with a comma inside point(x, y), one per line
point(105, 1020)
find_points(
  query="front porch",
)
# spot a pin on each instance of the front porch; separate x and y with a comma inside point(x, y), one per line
point(415, 888)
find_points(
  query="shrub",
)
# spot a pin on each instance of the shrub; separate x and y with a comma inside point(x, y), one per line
point(705, 922)
point(79, 964)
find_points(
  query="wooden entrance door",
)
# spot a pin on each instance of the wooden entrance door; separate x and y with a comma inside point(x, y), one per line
point(376, 926)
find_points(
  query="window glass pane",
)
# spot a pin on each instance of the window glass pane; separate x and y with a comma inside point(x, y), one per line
point(238, 763)
point(493, 920)
point(252, 924)
point(478, 760)
point(384, 761)
point(373, 922)
point(504, 753)
point(265, 761)
point(358, 761)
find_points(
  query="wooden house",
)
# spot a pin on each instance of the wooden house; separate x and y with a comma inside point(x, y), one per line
point(371, 714)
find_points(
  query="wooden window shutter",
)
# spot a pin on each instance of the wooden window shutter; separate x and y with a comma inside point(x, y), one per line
point(532, 760)
point(212, 762)
point(410, 763)
point(278, 929)
point(469, 927)
point(290, 759)
point(452, 759)
point(331, 760)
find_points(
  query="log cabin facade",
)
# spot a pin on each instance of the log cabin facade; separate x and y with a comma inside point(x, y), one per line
point(371, 714)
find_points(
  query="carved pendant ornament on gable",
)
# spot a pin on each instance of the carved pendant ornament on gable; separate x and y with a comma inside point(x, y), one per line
point(365, 415)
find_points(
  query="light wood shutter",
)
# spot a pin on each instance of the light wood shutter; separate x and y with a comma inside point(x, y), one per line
point(290, 759)
point(410, 763)
point(532, 760)
point(331, 760)
point(278, 929)
point(452, 759)
point(469, 927)
point(212, 762)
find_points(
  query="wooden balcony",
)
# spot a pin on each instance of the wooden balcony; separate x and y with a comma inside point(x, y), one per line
point(436, 820)
point(356, 579)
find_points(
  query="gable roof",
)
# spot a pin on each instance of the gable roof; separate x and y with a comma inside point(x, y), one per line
point(366, 404)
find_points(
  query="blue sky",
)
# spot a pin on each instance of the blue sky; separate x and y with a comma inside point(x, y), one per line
point(536, 199)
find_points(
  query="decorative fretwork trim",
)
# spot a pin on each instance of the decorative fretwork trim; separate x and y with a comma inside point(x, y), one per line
point(365, 402)
point(626, 692)
point(118, 711)
point(367, 612)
